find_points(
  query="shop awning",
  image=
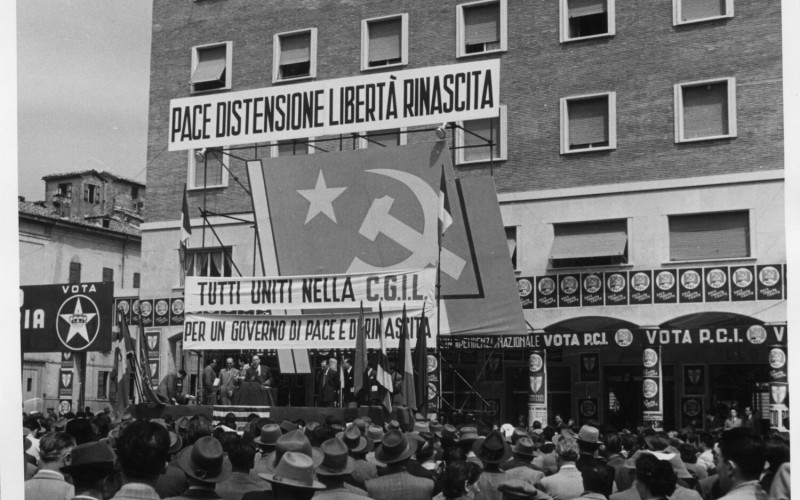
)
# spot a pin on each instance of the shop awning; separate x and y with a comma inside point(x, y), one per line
point(590, 324)
point(581, 245)
point(711, 319)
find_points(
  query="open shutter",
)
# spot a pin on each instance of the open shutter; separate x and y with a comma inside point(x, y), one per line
point(210, 65)
point(295, 49)
point(701, 9)
point(580, 8)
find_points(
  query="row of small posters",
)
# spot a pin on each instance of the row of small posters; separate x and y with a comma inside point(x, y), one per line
point(666, 286)
point(152, 312)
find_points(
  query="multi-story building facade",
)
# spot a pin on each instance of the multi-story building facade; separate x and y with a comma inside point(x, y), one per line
point(67, 240)
point(633, 144)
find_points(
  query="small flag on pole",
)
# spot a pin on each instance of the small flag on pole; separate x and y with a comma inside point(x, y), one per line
point(408, 392)
point(384, 378)
point(360, 355)
point(186, 229)
point(445, 219)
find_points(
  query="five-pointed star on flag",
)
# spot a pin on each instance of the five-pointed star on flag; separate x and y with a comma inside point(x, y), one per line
point(321, 199)
point(77, 322)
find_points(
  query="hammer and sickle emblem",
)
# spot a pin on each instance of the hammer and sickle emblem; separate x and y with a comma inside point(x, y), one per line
point(423, 245)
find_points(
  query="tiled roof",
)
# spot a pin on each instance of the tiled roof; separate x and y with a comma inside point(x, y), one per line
point(115, 226)
point(104, 173)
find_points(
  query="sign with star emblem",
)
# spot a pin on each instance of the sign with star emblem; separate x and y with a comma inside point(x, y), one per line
point(71, 317)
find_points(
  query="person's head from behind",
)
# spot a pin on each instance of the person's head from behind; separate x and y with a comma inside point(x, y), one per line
point(567, 450)
point(181, 373)
point(92, 469)
point(613, 443)
point(142, 451)
point(776, 452)
point(54, 449)
point(454, 454)
point(241, 454)
point(654, 477)
point(594, 478)
point(740, 457)
point(459, 479)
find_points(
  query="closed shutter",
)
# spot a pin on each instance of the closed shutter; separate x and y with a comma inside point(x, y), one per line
point(588, 121)
point(74, 272)
point(580, 8)
point(108, 274)
point(589, 239)
point(718, 235)
point(482, 24)
point(477, 149)
point(705, 110)
point(701, 9)
point(295, 49)
point(210, 64)
point(385, 40)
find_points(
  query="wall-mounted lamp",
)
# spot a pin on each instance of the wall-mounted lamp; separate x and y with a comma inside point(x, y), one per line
point(441, 131)
point(200, 154)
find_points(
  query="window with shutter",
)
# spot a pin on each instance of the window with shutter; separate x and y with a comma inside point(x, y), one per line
point(379, 138)
point(589, 123)
point(136, 278)
point(482, 27)
point(586, 18)
point(295, 56)
point(690, 11)
point(210, 172)
point(291, 148)
point(74, 272)
point(384, 41)
point(108, 274)
point(483, 139)
point(210, 67)
point(709, 236)
point(594, 243)
point(705, 110)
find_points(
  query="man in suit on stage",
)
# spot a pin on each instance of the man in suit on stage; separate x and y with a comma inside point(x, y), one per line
point(171, 388)
point(329, 384)
point(209, 390)
point(348, 395)
point(258, 373)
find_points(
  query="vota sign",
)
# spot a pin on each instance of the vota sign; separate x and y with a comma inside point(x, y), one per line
point(396, 99)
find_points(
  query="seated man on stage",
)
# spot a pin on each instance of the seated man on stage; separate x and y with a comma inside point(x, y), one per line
point(257, 372)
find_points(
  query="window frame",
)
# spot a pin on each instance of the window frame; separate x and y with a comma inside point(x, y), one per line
point(403, 41)
point(228, 66)
point(460, 137)
point(751, 239)
point(276, 55)
point(461, 46)
point(192, 164)
point(515, 259)
point(363, 143)
point(107, 271)
point(677, 10)
point(612, 122)
point(626, 261)
point(679, 114)
point(103, 379)
point(227, 252)
point(65, 190)
point(136, 280)
point(274, 147)
point(611, 12)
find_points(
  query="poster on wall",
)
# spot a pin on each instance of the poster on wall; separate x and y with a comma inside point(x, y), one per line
point(694, 379)
point(67, 359)
point(146, 312)
point(546, 296)
point(592, 289)
point(743, 283)
point(64, 406)
point(176, 309)
point(590, 367)
point(717, 285)
point(666, 287)
point(152, 338)
point(692, 412)
point(690, 285)
point(525, 286)
point(587, 410)
point(569, 291)
point(160, 312)
point(65, 382)
point(769, 282)
point(652, 401)
point(537, 378)
point(616, 288)
point(641, 287)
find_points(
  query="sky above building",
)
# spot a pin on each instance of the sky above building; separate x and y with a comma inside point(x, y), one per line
point(83, 82)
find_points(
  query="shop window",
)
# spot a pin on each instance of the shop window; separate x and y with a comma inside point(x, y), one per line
point(705, 110)
point(211, 172)
point(695, 11)
point(589, 123)
point(481, 27)
point(594, 243)
point(482, 140)
point(295, 55)
point(213, 262)
point(384, 42)
point(582, 19)
point(211, 67)
point(108, 274)
point(709, 236)
point(511, 238)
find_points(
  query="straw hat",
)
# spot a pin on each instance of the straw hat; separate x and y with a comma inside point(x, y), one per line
point(296, 470)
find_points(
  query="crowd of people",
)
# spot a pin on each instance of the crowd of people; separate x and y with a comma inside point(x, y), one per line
point(85, 456)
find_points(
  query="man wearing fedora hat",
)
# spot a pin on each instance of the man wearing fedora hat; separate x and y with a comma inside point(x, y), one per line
point(336, 466)
point(521, 467)
point(492, 451)
point(205, 465)
point(359, 446)
point(91, 467)
point(588, 442)
point(397, 483)
point(293, 479)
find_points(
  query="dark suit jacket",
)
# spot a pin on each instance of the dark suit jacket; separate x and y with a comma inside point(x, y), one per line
point(262, 375)
point(348, 394)
point(585, 461)
point(169, 389)
point(329, 384)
